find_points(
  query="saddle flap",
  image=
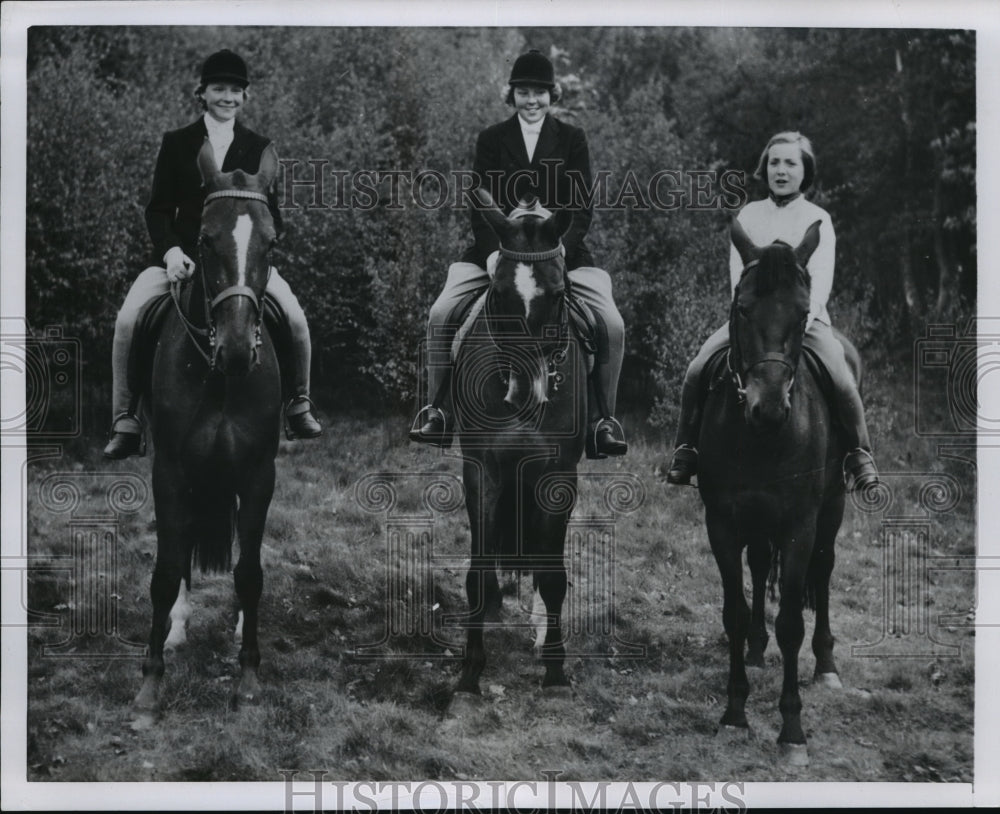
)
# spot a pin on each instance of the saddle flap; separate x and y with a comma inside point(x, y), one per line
point(148, 323)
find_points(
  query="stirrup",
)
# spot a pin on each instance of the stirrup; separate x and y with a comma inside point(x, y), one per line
point(416, 434)
point(140, 445)
point(683, 465)
point(617, 434)
point(851, 477)
point(307, 410)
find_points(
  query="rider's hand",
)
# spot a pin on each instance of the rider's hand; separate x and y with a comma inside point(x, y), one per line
point(179, 265)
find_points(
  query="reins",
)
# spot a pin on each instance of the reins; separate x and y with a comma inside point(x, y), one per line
point(194, 331)
point(771, 356)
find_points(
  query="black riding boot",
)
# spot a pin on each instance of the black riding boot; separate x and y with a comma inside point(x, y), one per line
point(605, 435)
point(294, 365)
point(684, 464)
point(433, 424)
point(125, 438)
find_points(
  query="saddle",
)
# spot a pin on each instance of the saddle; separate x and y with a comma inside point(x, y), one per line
point(584, 323)
point(149, 323)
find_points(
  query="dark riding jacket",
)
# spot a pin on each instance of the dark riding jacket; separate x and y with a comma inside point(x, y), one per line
point(558, 174)
point(173, 216)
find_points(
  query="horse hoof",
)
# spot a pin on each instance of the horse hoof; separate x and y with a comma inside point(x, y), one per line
point(829, 680)
point(557, 691)
point(754, 660)
point(142, 721)
point(793, 755)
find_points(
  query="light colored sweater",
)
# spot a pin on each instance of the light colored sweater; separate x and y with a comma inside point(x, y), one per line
point(766, 222)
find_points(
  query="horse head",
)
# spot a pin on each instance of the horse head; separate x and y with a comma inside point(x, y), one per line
point(237, 234)
point(767, 324)
point(526, 304)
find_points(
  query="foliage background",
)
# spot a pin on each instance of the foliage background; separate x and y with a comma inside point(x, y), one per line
point(891, 114)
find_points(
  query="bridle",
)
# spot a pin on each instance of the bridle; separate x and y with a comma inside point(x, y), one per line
point(557, 355)
point(745, 366)
point(210, 332)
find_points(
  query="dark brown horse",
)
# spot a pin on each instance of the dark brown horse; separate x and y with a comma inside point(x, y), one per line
point(520, 407)
point(216, 400)
point(771, 480)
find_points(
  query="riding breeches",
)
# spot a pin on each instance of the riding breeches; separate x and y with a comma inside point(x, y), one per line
point(153, 282)
point(590, 284)
point(823, 342)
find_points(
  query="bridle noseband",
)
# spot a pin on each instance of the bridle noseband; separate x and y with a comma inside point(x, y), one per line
point(771, 356)
point(225, 294)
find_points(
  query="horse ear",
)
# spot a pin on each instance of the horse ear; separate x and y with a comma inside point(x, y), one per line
point(482, 201)
point(808, 245)
point(747, 249)
point(268, 166)
point(206, 162)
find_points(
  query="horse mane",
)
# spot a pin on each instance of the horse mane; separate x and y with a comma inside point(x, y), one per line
point(776, 268)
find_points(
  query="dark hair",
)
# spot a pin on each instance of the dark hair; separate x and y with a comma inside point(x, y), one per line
point(805, 148)
point(555, 92)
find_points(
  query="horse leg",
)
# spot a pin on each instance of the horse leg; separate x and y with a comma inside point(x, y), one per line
point(173, 558)
point(789, 629)
point(179, 615)
point(735, 614)
point(481, 504)
point(759, 558)
point(248, 576)
point(552, 589)
point(820, 569)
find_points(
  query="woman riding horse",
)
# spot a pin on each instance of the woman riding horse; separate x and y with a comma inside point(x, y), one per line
point(173, 218)
point(790, 167)
point(531, 155)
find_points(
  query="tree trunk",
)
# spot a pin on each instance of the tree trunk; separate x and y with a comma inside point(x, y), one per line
point(911, 293)
point(945, 266)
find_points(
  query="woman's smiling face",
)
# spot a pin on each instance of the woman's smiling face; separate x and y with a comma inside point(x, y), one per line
point(223, 100)
point(532, 102)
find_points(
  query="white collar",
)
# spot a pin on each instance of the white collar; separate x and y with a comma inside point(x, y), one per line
point(531, 128)
point(217, 128)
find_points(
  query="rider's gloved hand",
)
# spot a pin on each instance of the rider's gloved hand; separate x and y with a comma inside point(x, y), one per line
point(179, 265)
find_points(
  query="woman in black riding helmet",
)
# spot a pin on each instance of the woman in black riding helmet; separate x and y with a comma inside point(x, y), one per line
point(173, 218)
point(531, 154)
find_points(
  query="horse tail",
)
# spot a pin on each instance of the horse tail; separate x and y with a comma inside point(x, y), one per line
point(215, 529)
point(812, 577)
point(775, 573)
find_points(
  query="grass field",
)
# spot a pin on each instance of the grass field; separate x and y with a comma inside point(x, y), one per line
point(359, 661)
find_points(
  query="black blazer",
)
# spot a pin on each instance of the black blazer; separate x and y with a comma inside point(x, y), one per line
point(173, 216)
point(558, 172)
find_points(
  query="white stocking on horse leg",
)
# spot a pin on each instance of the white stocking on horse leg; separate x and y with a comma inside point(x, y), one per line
point(539, 621)
point(179, 615)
